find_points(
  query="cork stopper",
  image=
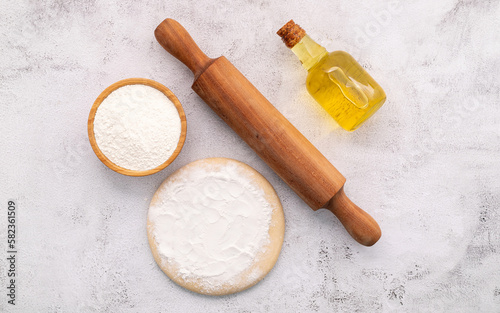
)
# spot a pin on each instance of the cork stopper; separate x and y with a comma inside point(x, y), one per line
point(291, 34)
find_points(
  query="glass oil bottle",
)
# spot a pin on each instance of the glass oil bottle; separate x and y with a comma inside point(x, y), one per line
point(335, 80)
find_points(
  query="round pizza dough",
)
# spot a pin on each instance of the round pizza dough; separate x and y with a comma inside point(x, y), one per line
point(190, 189)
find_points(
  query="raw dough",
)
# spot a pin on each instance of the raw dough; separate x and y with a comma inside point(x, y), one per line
point(248, 267)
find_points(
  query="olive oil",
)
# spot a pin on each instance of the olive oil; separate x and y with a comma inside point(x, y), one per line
point(335, 80)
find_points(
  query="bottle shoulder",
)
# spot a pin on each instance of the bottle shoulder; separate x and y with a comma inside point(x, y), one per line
point(341, 53)
point(338, 57)
point(329, 59)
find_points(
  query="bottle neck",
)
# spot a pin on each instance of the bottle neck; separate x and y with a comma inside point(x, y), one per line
point(308, 52)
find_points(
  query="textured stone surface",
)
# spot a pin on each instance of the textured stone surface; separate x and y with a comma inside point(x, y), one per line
point(426, 166)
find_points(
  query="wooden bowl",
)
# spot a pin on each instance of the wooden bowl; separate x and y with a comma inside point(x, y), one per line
point(107, 92)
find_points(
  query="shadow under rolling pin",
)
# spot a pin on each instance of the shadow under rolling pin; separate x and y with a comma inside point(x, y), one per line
point(268, 132)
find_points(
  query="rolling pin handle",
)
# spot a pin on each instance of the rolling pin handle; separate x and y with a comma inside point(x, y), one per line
point(359, 224)
point(177, 41)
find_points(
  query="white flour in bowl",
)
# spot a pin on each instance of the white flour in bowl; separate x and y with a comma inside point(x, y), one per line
point(137, 127)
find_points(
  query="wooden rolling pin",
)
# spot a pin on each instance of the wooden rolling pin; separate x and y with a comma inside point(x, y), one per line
point(268, 132)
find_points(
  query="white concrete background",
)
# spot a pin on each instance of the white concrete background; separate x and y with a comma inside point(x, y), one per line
point(426, 166)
